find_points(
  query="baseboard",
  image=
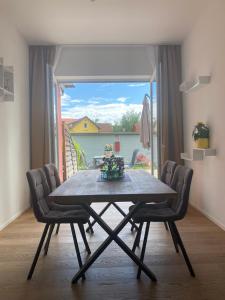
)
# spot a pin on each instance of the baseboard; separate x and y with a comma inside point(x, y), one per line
point(2, 226)
point(218, 223)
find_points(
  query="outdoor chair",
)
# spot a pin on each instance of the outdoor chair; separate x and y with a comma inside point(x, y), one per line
point(133, 158)
point(53, 179)
point(170, 213)
point(39, 192)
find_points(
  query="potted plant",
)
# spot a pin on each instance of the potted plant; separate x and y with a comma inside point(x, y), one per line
point(200, 135)
point(108, 150)
point(112, 168)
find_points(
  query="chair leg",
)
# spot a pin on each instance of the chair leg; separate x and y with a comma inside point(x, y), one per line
point(38, 252)
point(137, 238)
point(90, 227)
point(48, 239)
point(76, 247)
point(174, 238)
point(132, 227)
point(180, 243)
point(143, 248)
point(166, 226)
point(57, 229)
point(82, 231)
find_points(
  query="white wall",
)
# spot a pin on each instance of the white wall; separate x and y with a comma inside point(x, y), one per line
point(14, 129)
point(203, 54)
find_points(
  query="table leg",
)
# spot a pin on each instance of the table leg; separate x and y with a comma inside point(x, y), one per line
point(100, 214)
point(124, 214)
point(113, 235)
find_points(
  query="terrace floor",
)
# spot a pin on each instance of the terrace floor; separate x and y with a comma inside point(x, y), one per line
point(113, 276)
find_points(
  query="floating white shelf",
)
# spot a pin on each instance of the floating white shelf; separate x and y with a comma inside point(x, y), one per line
point(198, 154)
point(188, 86)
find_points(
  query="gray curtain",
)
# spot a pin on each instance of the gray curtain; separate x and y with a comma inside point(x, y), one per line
point(41, 62)
point(169, 101)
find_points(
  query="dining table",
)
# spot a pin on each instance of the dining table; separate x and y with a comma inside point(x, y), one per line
point(87, 187)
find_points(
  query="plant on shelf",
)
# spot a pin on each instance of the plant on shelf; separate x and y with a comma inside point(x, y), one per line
point(200, 135)
point(112, 168)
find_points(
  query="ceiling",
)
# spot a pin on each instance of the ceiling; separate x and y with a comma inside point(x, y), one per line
point(103, 21)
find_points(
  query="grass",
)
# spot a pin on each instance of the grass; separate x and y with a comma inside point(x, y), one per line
point(140, 166)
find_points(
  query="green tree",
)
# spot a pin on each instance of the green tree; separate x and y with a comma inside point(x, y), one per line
point(127, 122)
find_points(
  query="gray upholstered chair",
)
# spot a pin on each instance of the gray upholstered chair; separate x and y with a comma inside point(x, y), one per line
point(39, 191)
point(166, 177)
point(53, 179)
point(168, 171)
point(170, 213)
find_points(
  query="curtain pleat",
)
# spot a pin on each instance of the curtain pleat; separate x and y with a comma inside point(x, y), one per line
point(41, 62)
point(169, 102)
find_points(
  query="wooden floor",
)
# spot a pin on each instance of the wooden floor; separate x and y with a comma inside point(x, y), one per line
point(113, 276)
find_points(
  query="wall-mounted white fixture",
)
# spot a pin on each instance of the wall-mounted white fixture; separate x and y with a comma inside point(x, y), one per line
point(188, 86)
point(198, 154)
point(6, 82)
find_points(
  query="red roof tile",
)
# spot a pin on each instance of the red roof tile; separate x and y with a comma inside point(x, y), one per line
point(105, 127)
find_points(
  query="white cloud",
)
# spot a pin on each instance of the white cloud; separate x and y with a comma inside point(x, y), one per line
point(93, 102)
point(76, 100)
point(66, 100)
point(137, 84)
point(104, 112)
point(122, 99)
point(66, 97)
point(97, 100)
point(65, 104)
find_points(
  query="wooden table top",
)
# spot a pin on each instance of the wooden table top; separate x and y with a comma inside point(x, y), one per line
point(84, 187)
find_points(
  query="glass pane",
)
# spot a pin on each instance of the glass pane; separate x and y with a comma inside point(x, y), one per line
point(108, 113)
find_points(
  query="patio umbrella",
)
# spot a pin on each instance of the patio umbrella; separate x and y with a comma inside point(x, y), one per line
point(145, 134)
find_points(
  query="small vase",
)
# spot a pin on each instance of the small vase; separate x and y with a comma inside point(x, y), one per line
point(202, 143)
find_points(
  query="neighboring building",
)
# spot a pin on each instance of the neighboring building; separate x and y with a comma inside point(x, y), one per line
point(86, 125)
point(68, 120)
point(105, 127)
point(136, 127)
point(83, 125)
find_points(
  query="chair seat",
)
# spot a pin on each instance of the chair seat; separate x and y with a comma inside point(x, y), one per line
point(161, 212)
point(72, 216)
point(62, 207)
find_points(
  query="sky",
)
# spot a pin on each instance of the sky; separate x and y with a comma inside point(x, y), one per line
point(106, 102)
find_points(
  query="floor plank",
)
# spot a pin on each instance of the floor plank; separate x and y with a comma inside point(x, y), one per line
point(113, 275)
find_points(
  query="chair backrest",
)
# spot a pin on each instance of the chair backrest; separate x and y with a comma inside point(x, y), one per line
point(134, 155)
point(52, 175)
point(39, 191)
point(181, 183)
point(168, 171)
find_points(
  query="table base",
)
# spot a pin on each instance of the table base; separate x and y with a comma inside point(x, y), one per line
point(113, 236)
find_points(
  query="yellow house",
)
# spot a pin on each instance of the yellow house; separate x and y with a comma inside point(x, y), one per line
point(83, 125)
